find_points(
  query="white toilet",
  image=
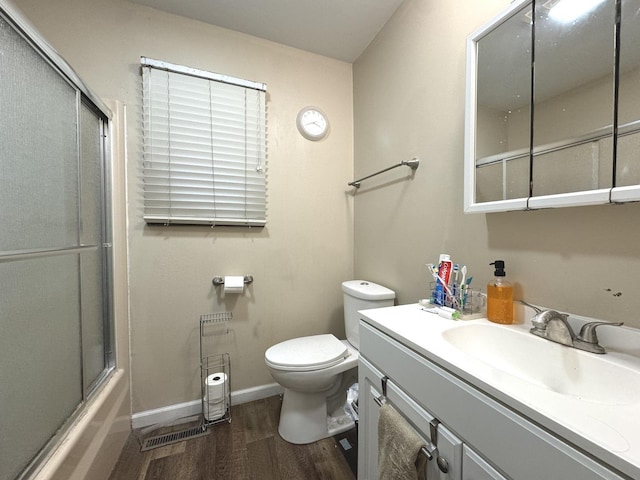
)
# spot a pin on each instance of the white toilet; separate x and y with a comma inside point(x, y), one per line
point(316, 371)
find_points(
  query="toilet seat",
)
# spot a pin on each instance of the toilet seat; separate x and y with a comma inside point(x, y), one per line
point(306, 354)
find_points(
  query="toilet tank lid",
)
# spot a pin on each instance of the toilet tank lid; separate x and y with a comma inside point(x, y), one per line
point(367, 290)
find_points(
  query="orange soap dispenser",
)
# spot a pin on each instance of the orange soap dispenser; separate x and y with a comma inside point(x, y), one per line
point(500, 296)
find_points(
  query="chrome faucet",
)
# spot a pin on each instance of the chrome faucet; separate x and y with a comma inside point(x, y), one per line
point(554, 326)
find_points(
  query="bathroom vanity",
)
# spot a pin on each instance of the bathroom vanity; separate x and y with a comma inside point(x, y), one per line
point(498, 402)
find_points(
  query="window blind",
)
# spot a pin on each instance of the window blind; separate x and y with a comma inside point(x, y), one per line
point(204, 147)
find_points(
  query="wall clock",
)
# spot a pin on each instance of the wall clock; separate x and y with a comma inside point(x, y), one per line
point(312, 123)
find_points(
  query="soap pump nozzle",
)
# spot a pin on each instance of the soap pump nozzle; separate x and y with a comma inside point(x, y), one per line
point(499, 265)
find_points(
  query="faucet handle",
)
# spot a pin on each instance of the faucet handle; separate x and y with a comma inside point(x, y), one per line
point(542, 318)
point(588, 331)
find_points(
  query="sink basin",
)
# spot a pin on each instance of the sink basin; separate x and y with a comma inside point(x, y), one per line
point(565, 370)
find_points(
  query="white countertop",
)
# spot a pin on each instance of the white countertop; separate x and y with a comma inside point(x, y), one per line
point(609, 431)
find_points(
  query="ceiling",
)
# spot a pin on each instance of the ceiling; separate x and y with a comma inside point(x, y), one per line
point(340, 29)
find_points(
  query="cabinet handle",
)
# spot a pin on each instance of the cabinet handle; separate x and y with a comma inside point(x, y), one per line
point(442, 463)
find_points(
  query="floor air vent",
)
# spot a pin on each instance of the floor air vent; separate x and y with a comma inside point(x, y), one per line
point(174, 437)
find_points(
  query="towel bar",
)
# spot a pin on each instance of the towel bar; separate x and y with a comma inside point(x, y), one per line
point(412, 164)
point(425, 451)
point(430, 449)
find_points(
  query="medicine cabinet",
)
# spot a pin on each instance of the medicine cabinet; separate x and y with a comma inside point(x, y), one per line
point(553, 106)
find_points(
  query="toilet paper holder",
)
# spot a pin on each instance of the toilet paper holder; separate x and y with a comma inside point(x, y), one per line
point(217, 280)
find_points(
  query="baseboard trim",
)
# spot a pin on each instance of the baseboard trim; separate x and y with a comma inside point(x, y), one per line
point(255, 393)
point(172, 413)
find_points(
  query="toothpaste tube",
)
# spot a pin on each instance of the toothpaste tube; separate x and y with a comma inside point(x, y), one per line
point(448, 313)
point(444, 274)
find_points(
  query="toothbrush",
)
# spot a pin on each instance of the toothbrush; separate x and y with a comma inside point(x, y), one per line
point(466, 287)
point(456, 270)
point(463, 270)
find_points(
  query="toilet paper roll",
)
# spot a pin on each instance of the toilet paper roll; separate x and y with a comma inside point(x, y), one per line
point(215, 396)
point(233, 284)
point(216, 385)
point(215, 412)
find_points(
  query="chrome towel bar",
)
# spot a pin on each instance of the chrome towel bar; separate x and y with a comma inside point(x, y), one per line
point(412, 164)
point(430, 449)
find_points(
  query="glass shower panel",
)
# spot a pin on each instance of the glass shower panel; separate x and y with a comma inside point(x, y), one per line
point(93, 359)
point(91, 261)
point(38, 165)
point(90, 177)
point(39, 354)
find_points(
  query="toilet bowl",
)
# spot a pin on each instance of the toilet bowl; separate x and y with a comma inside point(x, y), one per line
point(316, 371)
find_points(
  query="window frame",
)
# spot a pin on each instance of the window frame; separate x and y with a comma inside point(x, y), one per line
point(217, 176)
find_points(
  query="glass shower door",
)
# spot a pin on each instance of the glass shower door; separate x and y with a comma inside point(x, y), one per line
point(54, 318)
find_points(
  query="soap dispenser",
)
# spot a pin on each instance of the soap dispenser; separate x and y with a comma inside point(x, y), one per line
point(500, 296)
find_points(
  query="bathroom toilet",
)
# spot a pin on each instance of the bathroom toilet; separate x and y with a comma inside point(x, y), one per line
point(317, 370)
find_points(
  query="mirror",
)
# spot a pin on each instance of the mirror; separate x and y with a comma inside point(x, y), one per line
point(573, 101)
point(628, 159)
point(544, 101)
point(503, 110)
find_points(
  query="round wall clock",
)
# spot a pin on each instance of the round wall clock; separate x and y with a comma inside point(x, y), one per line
point(312, 123)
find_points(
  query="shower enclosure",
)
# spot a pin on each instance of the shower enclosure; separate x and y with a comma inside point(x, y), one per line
point(56, 330)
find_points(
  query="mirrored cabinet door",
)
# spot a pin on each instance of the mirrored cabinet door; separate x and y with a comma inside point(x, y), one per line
point(503, 111)
point(628, 147)
point(573, 99)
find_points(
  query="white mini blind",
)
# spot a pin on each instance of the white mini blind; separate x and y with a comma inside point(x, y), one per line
point(204, 147)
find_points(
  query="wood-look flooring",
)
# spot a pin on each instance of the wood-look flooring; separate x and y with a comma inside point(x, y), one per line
point(247, 448)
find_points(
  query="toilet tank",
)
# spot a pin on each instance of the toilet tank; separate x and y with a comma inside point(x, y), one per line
point(361, 295)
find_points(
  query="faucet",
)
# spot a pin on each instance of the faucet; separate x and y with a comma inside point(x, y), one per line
point(554, 326)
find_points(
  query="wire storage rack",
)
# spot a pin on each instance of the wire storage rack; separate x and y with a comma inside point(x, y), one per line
point(215, 375)
point(469, 302)
point(215, 370)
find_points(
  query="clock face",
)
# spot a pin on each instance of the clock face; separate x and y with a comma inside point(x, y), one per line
point(312, 123)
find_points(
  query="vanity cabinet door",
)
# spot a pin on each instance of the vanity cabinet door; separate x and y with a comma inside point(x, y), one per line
point(369, 389)
point(475, 468)
point(449, 446)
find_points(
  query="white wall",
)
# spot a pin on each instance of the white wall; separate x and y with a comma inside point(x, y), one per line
point(409, 90)
point(298, 260)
